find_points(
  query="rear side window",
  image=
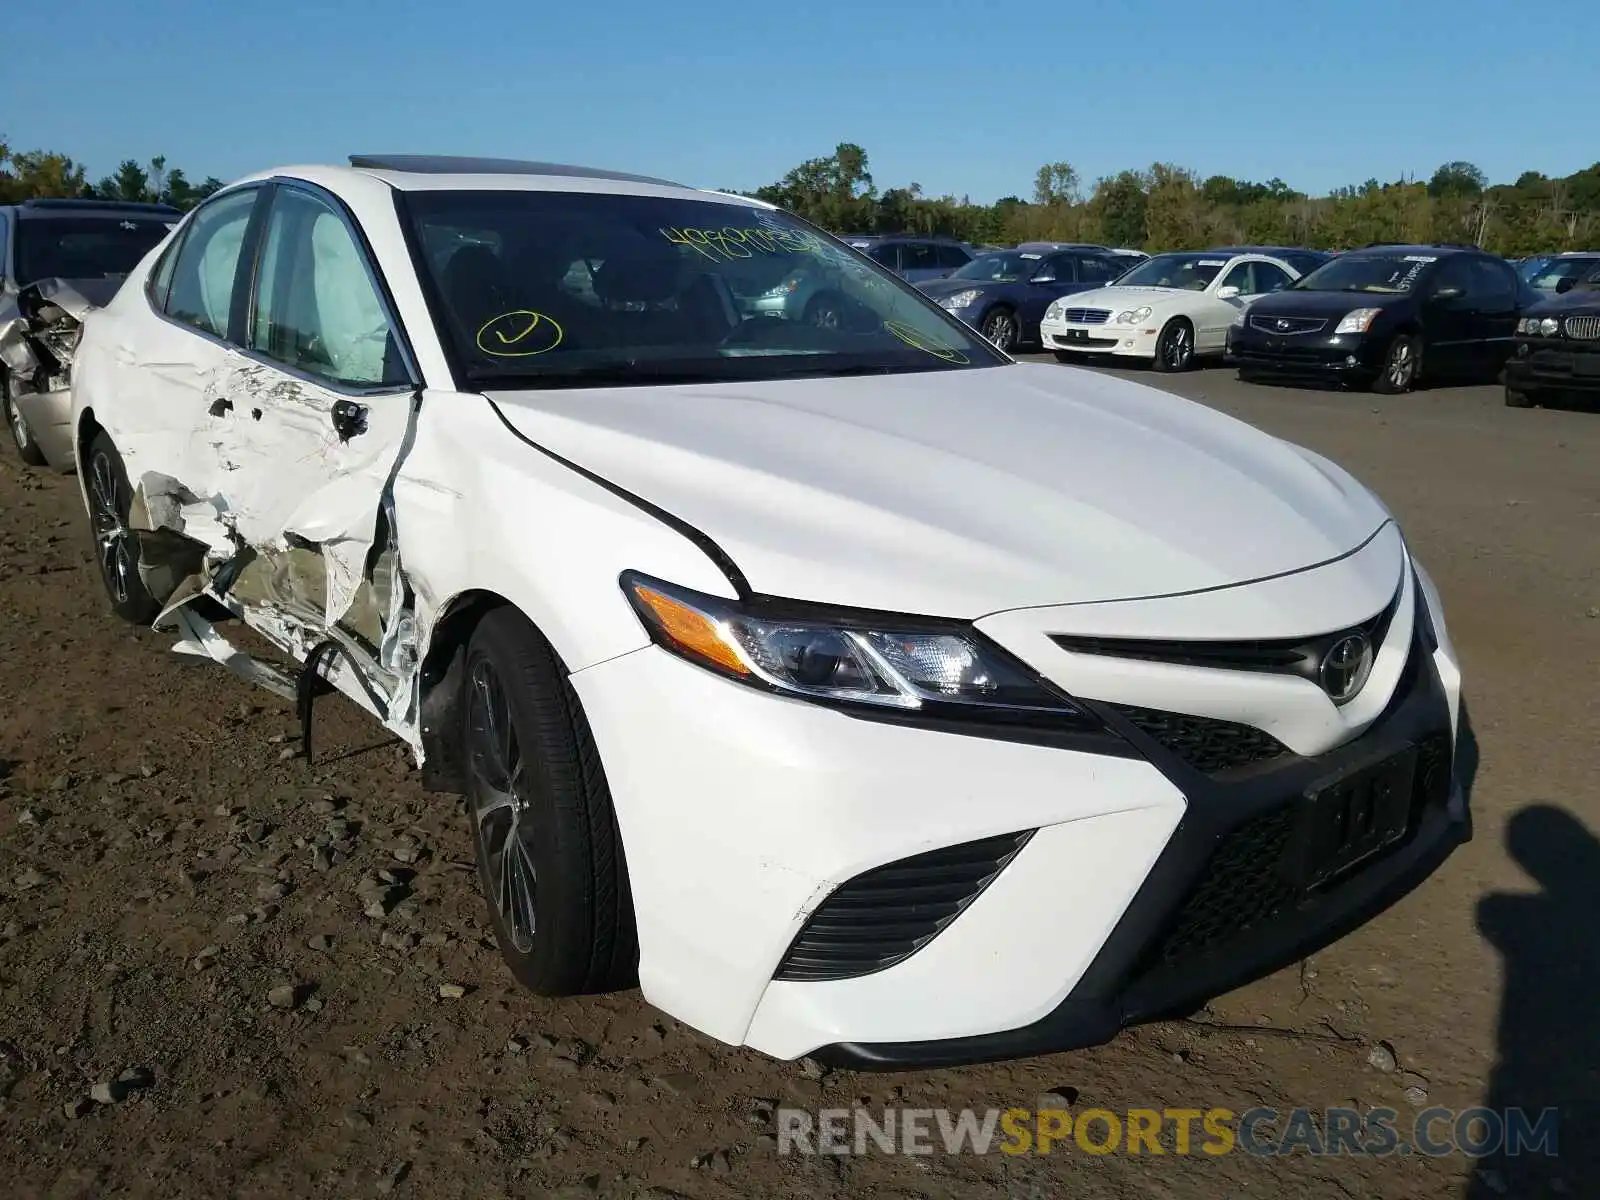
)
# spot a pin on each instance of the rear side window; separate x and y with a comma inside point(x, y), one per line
point(206, 269)
point(918, 256)
point(317, 307)
point(1099, 270)
point(953, 256)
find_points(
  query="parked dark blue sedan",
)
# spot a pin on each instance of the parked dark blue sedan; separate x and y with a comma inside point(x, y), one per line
point(1003, 295)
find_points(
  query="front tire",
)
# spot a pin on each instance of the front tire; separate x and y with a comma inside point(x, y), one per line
point(999, 325)
point(1520, 399)
point(21, 436)
point(117, 550)
point(1175, 346)
point(1402, 366)
point(548, 849)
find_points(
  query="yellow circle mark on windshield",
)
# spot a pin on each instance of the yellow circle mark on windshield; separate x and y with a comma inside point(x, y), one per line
point(520, 333)
point(918, 340)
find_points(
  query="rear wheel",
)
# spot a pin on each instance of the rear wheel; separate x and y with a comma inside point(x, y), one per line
point(1175, 346)
point(1402, 366)
point(27, 449)
point(116, 546)
point(825, 311)
point(549, 853)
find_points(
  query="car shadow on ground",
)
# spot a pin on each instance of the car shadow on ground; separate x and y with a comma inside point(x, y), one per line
point(1549, 1029)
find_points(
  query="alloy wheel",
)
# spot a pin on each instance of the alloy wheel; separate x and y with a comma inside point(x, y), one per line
point(1001, 329)
point(1402, 365)
point(112, 536)
point(1177, 348)
point(502, 805)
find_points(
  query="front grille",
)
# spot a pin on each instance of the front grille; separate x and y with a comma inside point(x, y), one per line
point(1584, 329)
point(1287, 325)
point(1205, 743)
point(1075, 343)
point(1086, 316)
point(1248, 882)
point(887, 914)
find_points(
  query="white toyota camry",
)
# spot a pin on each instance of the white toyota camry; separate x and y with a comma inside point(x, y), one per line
point(1171, 310)
point(858, 691)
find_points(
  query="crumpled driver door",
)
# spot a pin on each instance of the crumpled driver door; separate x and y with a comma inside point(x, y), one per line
point(322, 411)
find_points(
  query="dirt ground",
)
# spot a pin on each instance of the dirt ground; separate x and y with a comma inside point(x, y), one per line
point(184, 901)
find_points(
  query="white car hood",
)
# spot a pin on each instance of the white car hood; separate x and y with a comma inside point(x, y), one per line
point(1117, 299)
point(960, 492)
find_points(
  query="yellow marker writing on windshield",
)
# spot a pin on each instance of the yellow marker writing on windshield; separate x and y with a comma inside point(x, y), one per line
point(520, 333)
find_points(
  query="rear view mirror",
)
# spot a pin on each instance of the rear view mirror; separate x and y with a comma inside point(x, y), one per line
point(1227, 293)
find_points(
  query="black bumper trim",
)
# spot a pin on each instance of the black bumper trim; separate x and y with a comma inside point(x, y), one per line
point(1125, 985)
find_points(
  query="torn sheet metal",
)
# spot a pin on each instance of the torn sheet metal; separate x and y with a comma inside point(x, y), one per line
point(201, 640)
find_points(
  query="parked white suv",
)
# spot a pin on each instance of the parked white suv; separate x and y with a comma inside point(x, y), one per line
point(861, 692)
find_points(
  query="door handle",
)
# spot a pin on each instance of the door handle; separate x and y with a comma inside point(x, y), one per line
point(220, 406)
point(349, 419)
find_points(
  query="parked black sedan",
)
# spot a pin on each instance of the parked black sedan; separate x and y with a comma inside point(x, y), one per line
point(1386, 317)
point(1003, 295)
point(1557, 346)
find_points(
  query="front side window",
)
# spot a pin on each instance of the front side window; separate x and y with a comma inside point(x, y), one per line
point(317, 309)
point(1270, 278)
point(1376, 274)
point(1492, 285)
point(206, 270)
point(1560, 274)
point(84, 247)
point(570, 289)
point(1185, 272)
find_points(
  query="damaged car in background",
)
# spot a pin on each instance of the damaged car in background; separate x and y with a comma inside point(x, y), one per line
point(858, 691)
point(59, 261)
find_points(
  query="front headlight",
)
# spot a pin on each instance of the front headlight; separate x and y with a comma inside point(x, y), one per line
point(1133, 316)
point(933, 667)
point(1549, 327)
point(1358, 321)
point(961, 299)
point(787, 288)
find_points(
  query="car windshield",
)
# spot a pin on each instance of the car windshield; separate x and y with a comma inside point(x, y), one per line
point(83, 247)
point(1386, 274)
point(1007, 267)
point(546, 289)
point(1187, 272)
point(1560, 274)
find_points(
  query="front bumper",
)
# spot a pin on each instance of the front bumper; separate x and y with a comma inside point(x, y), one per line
point(1555, 366)
point(743, 813)
point(1130, 341)
point(49, 418)
point(1313, 356)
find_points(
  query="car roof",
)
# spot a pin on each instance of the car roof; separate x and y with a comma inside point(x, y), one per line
point(1415, 248)
point(423, 173)
point(1265, 250)
point(44, 209)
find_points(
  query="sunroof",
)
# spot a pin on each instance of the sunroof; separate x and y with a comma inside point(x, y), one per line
point(447, 164)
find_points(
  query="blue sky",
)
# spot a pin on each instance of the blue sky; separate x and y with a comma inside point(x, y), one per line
point(962, 98)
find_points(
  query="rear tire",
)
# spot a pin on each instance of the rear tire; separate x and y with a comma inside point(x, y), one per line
point(21, 436)
point(549, 853)
point(117, 550)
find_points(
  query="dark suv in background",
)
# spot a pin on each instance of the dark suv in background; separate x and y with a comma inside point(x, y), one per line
point(1003, 295)
point(912, 258)
point(1386, 317)
point(1558, 342)
point(58, 259)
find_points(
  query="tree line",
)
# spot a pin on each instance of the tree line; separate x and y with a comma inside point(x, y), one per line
point(30, 174)
point(1169, 207)
point(1164, 207)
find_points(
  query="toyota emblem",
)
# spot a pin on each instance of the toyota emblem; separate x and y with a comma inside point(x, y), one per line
point(1345, 667)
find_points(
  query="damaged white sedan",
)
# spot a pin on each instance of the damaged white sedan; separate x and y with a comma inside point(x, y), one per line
point(861, 692)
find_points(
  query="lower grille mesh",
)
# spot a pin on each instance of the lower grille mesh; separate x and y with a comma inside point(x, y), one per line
point(1205, 743)
point(1244, 884)
point(885, 915)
